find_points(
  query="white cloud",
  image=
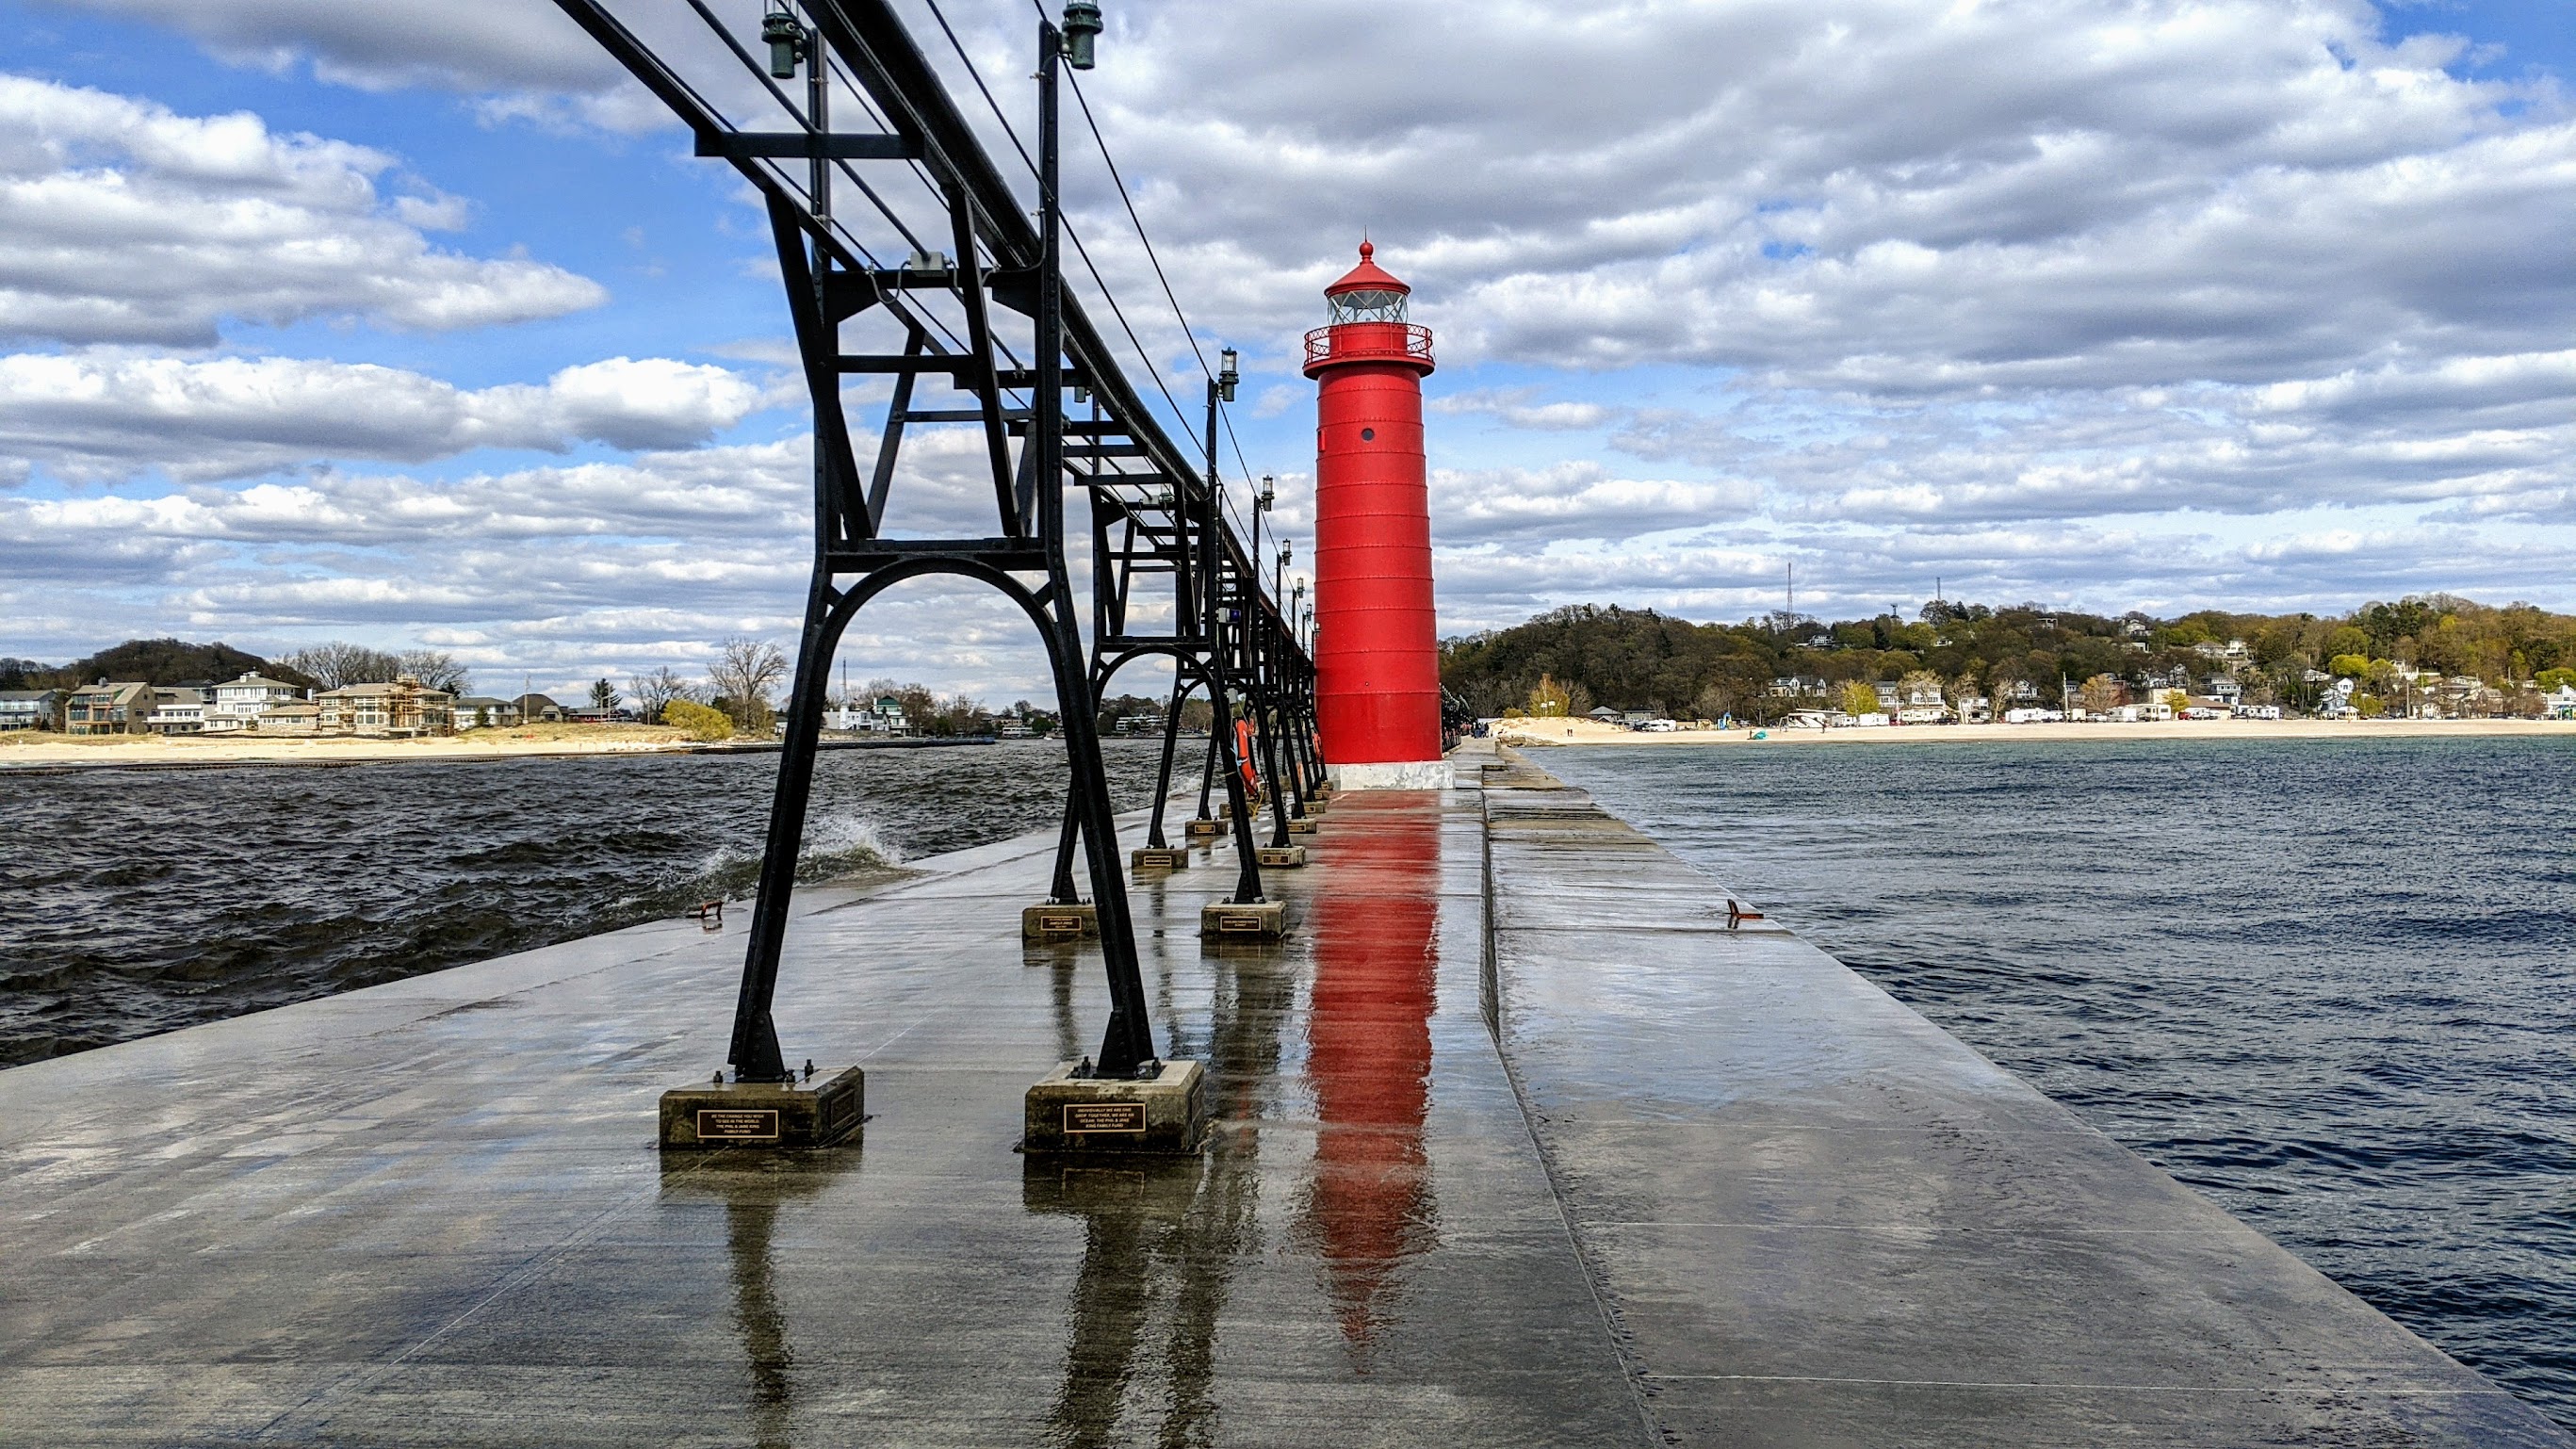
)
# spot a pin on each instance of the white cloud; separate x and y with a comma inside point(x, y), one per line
point(103, 417)
point(2119, 302)
point(1574, 500)
point(122, 221)
point(479, 46)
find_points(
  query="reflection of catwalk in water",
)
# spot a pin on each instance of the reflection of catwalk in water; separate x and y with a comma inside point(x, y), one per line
point(763, 1327)
point(1375, 919)
point(1168, 1233)
point(753, 1188)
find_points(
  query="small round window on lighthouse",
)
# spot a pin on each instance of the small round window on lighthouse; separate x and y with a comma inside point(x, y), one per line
point(1368, 435)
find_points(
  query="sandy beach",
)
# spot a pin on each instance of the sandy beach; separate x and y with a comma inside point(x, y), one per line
point(21, 749)
point(1590, 732)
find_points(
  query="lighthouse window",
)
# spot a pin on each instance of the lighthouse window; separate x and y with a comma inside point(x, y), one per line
point(1368, 306)
point(1368, 435)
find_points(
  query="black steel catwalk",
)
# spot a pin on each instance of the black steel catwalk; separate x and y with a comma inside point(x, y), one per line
point(1170, 576)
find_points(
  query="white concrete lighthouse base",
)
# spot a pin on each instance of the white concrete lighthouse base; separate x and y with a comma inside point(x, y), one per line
point(1409, 775)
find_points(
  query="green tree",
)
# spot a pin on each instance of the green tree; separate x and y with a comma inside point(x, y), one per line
point(2349, 666)
point(702, 722)
point(1859, 699)
point(1549, 699)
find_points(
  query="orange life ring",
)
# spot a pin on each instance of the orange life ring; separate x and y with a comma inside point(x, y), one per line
point(1243, 733)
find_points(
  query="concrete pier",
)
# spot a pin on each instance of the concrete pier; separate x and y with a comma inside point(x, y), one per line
point(1710, 1187)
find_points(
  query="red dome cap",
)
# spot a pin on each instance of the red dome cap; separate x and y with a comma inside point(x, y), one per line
point(1368, 276)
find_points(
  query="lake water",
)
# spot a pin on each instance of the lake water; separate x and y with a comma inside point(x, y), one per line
point(139, 901)
point(2330, 984)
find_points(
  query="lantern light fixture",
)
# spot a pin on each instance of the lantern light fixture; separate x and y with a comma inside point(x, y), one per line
point(1081, 31)
point(1226, 376)
point(1269, 490)
point(787, 39)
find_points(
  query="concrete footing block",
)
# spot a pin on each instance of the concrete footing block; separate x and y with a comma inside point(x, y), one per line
point(1205, 829)
point(1279, 857)
point(1070, 1114)
point(1258, 921)
point(1408, 775)
point(765, 1114)
point(1052, 922)
point(1304, 825)
point(1159, 857)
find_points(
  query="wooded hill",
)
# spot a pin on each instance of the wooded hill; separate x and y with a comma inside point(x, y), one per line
point(1640, 659)
point(153, 661)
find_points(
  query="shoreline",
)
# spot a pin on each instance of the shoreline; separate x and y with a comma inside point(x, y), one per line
point(54, 753)
point(49, 754)
point(1562, 733)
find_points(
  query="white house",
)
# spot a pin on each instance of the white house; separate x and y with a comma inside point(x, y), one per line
point(240, 702)
point(178, 710)
point(885, 719)
point(2561, 702)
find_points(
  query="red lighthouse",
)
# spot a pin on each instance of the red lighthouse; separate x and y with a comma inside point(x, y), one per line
point(1377, 660)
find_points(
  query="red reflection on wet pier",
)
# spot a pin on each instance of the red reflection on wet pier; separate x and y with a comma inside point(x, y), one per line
point(1375, 923)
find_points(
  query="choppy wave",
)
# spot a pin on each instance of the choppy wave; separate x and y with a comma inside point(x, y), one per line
point(2330, 984)
point(141, 902)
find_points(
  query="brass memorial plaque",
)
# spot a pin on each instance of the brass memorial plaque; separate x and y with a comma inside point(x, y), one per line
point(1065, 922)
point(1104, 1117)
point(737, 1124)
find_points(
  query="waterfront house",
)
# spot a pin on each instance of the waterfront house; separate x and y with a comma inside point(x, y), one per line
point(885, 717)
point(2561, 702)
point(404, 707)
point(31, 709)
point(239, 703)
point(484, 711)
point(539, 709)
point(178, 710)
point(107, 708)
point(296, 717)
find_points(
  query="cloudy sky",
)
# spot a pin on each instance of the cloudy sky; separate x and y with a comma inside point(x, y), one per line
point(420, 326)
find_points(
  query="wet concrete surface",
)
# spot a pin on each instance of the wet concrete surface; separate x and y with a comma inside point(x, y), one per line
point(432, 1212)
point(1723, 1192)
point(1816, 1219)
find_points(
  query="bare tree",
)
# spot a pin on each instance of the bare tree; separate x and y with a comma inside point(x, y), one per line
point(339, 664)
point(436, 669)
point(656, 691)
point(744, 673)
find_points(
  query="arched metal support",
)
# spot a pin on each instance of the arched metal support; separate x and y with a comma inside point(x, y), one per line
point(952, 315)
point(1128, 1041)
